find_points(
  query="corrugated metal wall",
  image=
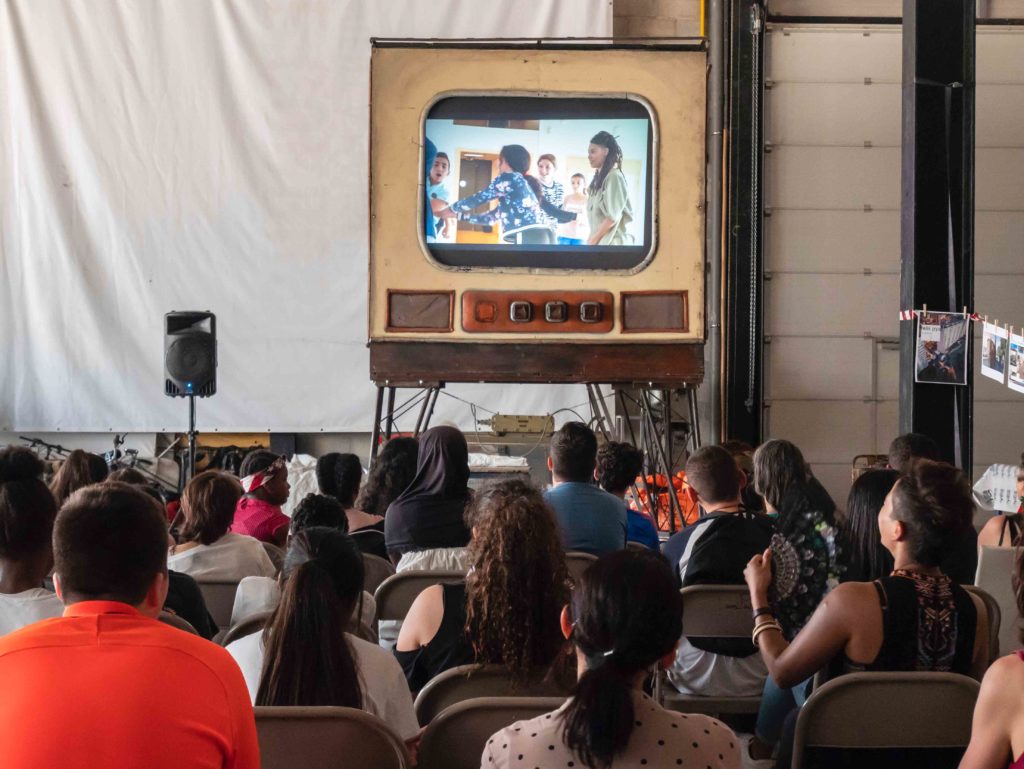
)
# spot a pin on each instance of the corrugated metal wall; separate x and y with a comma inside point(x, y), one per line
point(832, 248)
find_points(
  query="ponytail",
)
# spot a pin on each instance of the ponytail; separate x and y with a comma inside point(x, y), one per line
point(628, 614)
point(307, 658)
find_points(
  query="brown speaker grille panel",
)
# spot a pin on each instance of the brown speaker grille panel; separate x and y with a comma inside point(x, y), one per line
point(646, 311)
point(423, 311)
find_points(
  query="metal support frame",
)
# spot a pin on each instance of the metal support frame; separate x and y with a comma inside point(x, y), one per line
point(744, 242)
point(425, 397)
point(714, 192)
point(937, 212)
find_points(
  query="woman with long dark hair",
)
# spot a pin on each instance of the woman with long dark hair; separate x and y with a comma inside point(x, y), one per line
point(507, 610)
point(625, 617)
point(80, 469)
point(521, 203)
point(864, 556)
point(389, 475)
point(339, 476)
point(608, 208)
point(307, 654)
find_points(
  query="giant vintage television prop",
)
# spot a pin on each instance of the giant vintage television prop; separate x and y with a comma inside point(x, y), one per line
point(536, 212)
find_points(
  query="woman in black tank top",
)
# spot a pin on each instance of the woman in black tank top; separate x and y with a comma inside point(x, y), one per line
point(914, 619)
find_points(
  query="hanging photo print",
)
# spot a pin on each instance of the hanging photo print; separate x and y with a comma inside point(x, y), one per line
point(942, 347)
point(994, 344)
point(1016, 363)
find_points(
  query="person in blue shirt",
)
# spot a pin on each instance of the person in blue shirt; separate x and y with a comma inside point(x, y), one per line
point(591, 520)
point(618, 465)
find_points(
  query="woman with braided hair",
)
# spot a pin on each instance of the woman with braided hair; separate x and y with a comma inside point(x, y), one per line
point(608, 208)
point(625, 616)
point(506, 612)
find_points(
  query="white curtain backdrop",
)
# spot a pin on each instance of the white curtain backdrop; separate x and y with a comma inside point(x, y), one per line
point(206, 154)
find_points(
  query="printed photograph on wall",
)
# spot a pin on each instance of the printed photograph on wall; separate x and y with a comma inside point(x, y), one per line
point(994, 346)
point(942, 348)
point(1016, 363)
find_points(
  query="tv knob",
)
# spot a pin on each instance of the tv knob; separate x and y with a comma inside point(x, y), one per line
point(590, 312)
point(520, 312)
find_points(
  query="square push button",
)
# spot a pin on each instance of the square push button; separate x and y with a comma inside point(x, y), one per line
point(590, 312)
point(556, 312)
point(485, 312)
point(520, 312)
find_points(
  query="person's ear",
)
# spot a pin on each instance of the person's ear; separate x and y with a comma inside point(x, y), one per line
point(565, 623)
point(596, 474)
point(153, 603)
point(57, 588)
point(744, 481)
point(899, 531)
point(551, 465)
point(666, 661)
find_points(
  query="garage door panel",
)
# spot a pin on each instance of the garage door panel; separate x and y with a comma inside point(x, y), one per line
point(846, 114)
point(827, 56)
point(833, 305)
point(998, 241)
point(825, 431)
point(832, 241)
point(999, 108)
point(998, 428)
point(1000, 296)
point(999, 179)
point(887, 425)
point(832, 177)
point(999, 56)
point(809, 368)
point(888, 371)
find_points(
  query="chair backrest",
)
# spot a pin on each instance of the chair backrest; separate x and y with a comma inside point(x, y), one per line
point(276, 555)
point(996, 567)
point(717, 611)
point(396, 594)
point(220, 599)
point(247, 626)
point(456, 738)
point(375, 571)
point(467, 682)
point(326, 738)
point(994, 620)
point(577, 563)
point(887, 710)
point(636, 546)
point(175, 621)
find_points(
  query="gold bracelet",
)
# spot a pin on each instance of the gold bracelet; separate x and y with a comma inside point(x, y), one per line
point(762, 628)
point(761, 621)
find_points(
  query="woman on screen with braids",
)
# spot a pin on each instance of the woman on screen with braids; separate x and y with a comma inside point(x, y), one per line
point(608, 208)
point(521, 204)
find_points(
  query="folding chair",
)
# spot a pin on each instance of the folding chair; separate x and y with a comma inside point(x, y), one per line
point(179, 622)
point(994, 621)
point(712, 611)
point(276, 555)
point(886, 710)
point(456, 738)
point(471, 681)
point(395, 595)
point(375, 571)
point(326, 738)
point(220, 599)
point(577, 563)
point(996, 567)
point(254, 623)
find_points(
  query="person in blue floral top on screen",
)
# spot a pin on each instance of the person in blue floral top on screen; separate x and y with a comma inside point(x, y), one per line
point(521, 203)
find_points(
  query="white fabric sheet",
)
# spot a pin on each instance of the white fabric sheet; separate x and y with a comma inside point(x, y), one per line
point(206, 155)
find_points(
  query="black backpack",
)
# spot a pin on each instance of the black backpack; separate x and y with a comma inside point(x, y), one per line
point(719, 558)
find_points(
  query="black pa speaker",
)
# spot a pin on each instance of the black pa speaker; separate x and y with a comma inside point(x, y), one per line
point(190, 354)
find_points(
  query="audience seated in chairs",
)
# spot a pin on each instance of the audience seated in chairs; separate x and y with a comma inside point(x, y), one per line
point(339, 476)
point(307, 655)
point(256, 595)
point(79, 470)
point(265, 488)
point(915, 619)
point(591, 520)
point(1005, 530)
point(997, 734)
point(424, 527)
point(625, 616)
point(961, 561)
point(507, 610)
point(390, 475)
point(27, 511)
point(864, 557)
point(115, 686)
point(207, 550)
point(714, 551)
point(618, 465)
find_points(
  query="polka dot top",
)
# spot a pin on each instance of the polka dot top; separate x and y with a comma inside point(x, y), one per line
point(661, 739)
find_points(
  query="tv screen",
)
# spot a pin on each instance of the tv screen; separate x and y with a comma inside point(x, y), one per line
point(539, 182)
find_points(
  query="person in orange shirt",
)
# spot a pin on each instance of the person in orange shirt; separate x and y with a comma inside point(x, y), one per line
point(107, 685)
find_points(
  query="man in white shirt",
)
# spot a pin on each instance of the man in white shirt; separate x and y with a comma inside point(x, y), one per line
point(27, 512)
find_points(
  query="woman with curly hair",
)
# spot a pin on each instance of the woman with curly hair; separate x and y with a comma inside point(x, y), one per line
point(507, 610)
point(389, 476)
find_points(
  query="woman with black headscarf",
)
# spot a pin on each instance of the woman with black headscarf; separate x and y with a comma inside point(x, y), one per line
point(424, 527)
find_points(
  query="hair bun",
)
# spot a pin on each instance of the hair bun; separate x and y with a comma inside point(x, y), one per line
point(19, 464)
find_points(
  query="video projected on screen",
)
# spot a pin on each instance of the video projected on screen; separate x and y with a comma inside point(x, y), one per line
point(538, 182)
